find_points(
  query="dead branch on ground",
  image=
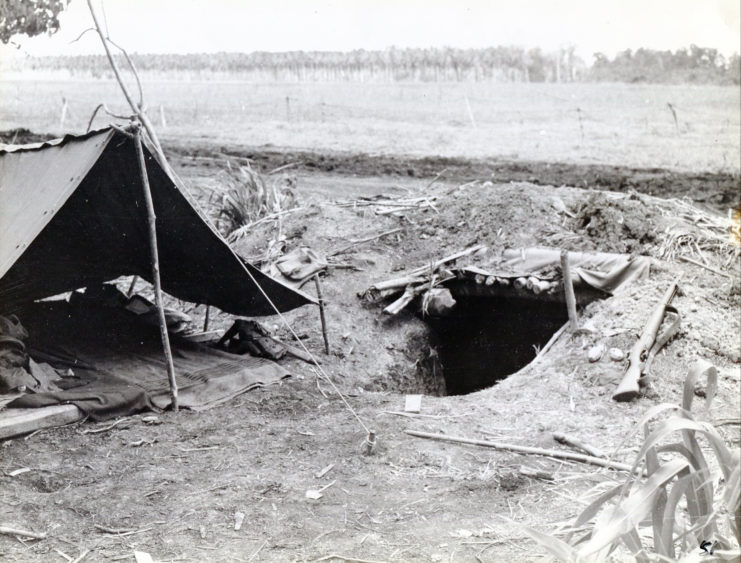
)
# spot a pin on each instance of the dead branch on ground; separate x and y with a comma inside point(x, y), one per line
point(558, 454)
point(11, 531)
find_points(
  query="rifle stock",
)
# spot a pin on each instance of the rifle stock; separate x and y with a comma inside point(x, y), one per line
point(629, 387)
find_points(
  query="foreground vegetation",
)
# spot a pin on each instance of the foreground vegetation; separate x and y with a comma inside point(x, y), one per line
point(677, 506)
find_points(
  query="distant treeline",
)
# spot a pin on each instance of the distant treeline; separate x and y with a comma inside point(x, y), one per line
point(695, 65)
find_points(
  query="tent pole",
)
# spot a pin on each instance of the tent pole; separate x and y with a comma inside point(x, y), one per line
point(152, 218)
point(568, 288)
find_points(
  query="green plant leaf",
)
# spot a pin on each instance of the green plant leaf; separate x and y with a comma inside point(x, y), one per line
point(666, 540)
point(635, 508)
point(732, 500)
point(676, 424)
point(591, 511)
point(681, 450)
point(633, 542)
point(650, 413)
point(556, 547)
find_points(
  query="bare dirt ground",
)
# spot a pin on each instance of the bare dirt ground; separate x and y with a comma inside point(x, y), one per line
point(172, 487)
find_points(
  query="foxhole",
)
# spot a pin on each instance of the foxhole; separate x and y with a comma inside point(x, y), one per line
point(491, 333)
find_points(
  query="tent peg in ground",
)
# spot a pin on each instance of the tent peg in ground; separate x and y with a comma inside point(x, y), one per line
point(321, 313)
point(369, 444)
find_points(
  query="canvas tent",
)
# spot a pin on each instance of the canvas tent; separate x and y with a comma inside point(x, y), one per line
point(72, 214)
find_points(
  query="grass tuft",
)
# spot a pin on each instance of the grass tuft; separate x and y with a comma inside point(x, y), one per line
point(249, 198)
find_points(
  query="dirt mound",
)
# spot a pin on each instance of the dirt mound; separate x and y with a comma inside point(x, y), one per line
point(498, 215)
point(400, 354)
point(622, 225)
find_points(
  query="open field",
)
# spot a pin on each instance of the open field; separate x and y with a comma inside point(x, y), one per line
point(617, 124)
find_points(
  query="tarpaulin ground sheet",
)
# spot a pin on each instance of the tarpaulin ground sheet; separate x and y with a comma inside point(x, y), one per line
point(118, 367)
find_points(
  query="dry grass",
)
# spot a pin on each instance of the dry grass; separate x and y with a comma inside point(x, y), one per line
point(249, 198)
point(694, 232)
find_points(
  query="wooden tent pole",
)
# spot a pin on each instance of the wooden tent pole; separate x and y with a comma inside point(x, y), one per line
point(152, 219)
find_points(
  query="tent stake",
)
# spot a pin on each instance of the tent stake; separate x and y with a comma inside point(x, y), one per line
point(321, 313)
point(152, 218)
point(568, 289)
point(206, 317)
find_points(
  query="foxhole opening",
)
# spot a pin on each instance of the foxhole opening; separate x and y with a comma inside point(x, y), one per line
point(483, 339)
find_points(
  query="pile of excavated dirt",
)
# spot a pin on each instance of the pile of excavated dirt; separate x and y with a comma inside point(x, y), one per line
point(398, 352)
point(172, 486)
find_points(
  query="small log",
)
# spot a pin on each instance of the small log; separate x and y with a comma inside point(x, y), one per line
point(577, 444)
point(15, 422)
point(409, 294)
point(10, 531)
point(525, 450)
point(397, 283)
point(544, 285)
point(295, 351)
point(323, 472)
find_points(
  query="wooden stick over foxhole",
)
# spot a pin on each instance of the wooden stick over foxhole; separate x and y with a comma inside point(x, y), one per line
point(568, 289)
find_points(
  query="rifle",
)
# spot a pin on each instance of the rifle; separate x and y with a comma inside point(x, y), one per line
point(644, 350)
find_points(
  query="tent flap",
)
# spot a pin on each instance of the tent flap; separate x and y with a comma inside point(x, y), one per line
point(73, 214)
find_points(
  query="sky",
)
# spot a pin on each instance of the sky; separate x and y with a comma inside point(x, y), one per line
point(607, 26)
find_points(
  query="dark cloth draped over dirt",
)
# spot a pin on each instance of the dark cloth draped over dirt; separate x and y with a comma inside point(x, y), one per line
point(113, 362)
